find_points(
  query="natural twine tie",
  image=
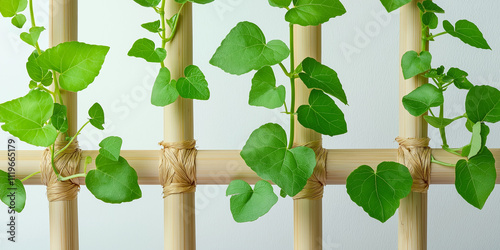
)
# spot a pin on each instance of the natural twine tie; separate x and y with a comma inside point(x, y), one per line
point(415, 154)
point(315, 185)
point(178, 167)
point(67, 163)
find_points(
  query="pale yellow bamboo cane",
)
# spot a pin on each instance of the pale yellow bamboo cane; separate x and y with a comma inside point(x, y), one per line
point(63, 215)
point(412, 229)
point(179, 216)
point(307, 214)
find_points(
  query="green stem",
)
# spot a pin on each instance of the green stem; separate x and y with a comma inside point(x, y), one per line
point(60, 178)
point(284, 70)
point(72, 139)
point(57, 91)
point(442, 131)
point(52, 160)
point(425, 32)
point(433, 160)
point(292, 85)
point(29, 176)
point(33, 24)
point(449, 150)
point(172, 32)
point(436, 35)
point(163, 26)
point(45, 89)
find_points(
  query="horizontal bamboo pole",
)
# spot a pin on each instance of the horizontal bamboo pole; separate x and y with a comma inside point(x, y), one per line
point(219, 167)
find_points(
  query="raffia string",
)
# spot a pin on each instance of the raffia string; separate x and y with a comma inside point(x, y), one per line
point(315, 185)
point(415, 154)
point(178, 167)
point(67, 163)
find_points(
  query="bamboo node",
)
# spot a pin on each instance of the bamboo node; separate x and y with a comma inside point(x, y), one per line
point(67, 163)
point(315, 185)
point(415, 154)
point(178, 167)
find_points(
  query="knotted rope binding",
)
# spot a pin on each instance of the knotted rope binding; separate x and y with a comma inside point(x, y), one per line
point(415, 154)
point(178, 167)
point(67, 163)
point(315, 185)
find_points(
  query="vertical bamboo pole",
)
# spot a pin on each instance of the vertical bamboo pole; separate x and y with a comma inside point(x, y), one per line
point(412, 229)
point(179, 216)
point(308, 227)
point(63, 215)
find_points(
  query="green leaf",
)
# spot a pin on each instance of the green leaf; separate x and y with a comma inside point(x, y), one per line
point(283, 193)
point(113, 181)
point(152, 26)
point(12, 192)
point(438, 122)
point(475, 179)
point(148, 3)
point(19, 20)
point(469, 124)
point(193, 85)
point(266, 153)
point(413, 64)
point(96, 116)
point(37, 73)
point(483, 104)
point(280, 3)
point(172, 21)
point(32, 84)
point(422, 99)
point(244, 49)
point(478, 141)
point(430, 6)
point(430, 19)
point(264, 91)
point(59, 118)
point(145, 48)
point(391, 5)
point(322, 115)
point(164, 91)
point(247, 204)
point(314, 12)
point(9, 8)
point(468, 32)
point(459, 78)
point(31, 38)
point(110, 147)
point(379, 193)
point(25, 118)
point(319, 76)
point(78, 63)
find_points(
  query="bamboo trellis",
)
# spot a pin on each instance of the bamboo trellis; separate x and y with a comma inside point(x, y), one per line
point(220, 167)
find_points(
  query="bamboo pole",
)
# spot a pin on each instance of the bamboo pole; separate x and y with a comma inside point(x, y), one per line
point(179, 209)
point(63, 215)
point(308, 227)
point(412, 229)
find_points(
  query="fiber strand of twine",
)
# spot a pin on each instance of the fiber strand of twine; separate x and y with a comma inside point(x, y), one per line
point(415, 154)
point(177, 167)
point(315, 185)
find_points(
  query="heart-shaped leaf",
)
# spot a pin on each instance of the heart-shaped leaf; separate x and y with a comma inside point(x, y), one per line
point(322, 115)
point(267, 154)
point(475, 179)
point(379, 193)
point(247, 204)
point(413, 64)
point(110, 147)
point(59, 118)
point(9, 8)
point(152, 26)
point(193, 85)
point(164, 90)
point(145, 49)
point(430, 6)
point(430, 19)
point(148, 3)
point(19, 20)
point(113, 181)
point(37, 73)
point(468, 32)
point(422, 99)
point(31, 38)
point(483, 104)
point(438, 122)
point(459, 78)
point(244, 49)
point(12, 192)
point(264, 91)
point(391, 5)
point(314, 12)
point(96, 114)
point(280, 3)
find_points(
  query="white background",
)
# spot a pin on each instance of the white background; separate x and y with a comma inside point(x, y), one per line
point(362, 46)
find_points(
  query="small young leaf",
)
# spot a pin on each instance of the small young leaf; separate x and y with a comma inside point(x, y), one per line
point(280, 3)
point(430, 19)
point(244, 49)
point(430, 6)
point(283, 193)
point(413, 64)
point(247, 204)
point(113, 181)
point(78, 63)
point(483, 104)
point(37, 73)
point(32, 84)
point(25, 118)
point(96, 116)
point(319, 76)
point(469, 124)
point(459, 78)
point(314, 12)
point(110, 147)
point(171, 22)
point(478, 141)
point(468, 32)
point(59, 118)
point(9, 8)
point(19, 20)
point(391, 5)
point(322, 115)
point(264, 91)
point(266, 153)
point(438, 122)
point(148, 3)
point(164, 91)
point(145, 48)
point(31, 38)
point(12, 192)
point(378, 193)
point(475, 179)
point(422, 99)
point(152, 26)
point(193, 85)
